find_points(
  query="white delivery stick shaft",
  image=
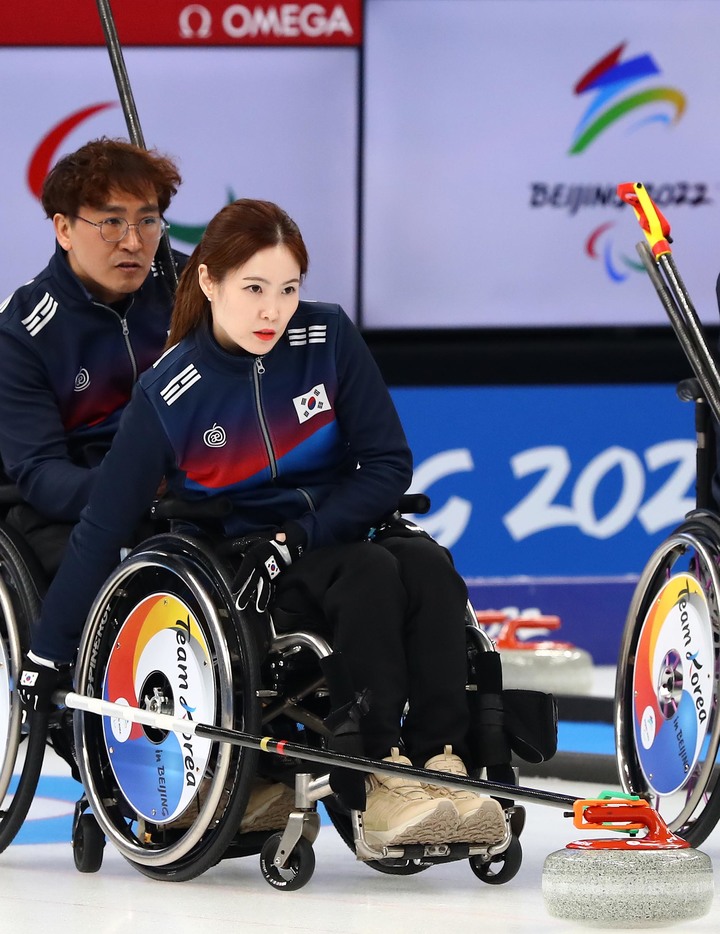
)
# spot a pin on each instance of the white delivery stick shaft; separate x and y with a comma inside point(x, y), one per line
point(103, 708)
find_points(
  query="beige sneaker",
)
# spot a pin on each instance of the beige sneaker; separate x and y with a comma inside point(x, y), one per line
point(400, 811)
point(192, 811)
point(268, 808)
point(482, 820)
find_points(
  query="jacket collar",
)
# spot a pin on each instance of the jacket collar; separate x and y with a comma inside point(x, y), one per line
point(224, 359)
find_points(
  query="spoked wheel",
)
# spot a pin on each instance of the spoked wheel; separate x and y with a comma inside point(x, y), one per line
point(667, 725)
point(163, 635)
point(21, 589)
point(298, 870)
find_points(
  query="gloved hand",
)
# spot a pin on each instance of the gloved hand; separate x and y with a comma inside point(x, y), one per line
point(262, 563)
point(397, 527)
point(39, 679)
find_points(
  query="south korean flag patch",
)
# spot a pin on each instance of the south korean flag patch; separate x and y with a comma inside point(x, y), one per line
point(311, 403)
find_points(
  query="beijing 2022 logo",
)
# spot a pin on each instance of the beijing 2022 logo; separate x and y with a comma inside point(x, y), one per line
point(616, 97)
point(629, 93)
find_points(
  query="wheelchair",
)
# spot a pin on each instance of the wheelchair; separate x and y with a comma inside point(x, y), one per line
point(22, 586)
point(164, 635)
point(667, 722)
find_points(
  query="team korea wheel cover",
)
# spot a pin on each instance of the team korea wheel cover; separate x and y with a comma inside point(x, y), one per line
point(160, 661)
point(672, 684)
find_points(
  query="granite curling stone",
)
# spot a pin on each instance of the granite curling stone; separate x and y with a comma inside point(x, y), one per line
point(628, 887)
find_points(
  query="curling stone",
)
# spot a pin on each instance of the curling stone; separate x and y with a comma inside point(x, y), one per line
point(537, 664)
point(645, 881)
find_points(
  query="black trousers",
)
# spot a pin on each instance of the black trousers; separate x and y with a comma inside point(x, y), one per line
point(396, 611)
point(47, 539)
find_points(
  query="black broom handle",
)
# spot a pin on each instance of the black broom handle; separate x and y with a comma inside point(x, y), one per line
point(164, 256)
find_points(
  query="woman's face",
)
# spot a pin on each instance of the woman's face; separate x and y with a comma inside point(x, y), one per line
point(252, 305)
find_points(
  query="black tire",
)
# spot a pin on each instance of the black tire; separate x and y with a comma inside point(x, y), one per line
point(301, 864)
point(690, 803)
point(88, 844)
point(176, 572)
point(13, 817)
point(501, 868)
point(22, 586)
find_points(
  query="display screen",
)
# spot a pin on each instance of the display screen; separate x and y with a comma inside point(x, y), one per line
point(452, 163)
point(495, 135)
point(273, 123)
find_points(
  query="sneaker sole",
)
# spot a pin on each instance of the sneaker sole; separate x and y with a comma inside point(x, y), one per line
point(436, 827)
point(484, 825)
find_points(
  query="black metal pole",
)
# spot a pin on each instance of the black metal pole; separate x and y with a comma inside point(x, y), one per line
point(98, 707)
point(685, 323)
point(120, 71)
point(163, 257)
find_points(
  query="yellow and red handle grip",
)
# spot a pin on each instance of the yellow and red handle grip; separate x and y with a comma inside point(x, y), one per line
point(653, 223)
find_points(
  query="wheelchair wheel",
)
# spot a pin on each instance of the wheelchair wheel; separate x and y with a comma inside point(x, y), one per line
point(21, 589)
point(300, 867)
point(667, 725)
point(163, 635)
point(501, 868)
point(88, 844)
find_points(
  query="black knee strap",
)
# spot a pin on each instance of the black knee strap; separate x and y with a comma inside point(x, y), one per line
point(343, 723)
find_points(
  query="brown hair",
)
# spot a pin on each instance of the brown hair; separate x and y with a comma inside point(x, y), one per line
point(87, 176)
point(231, 238)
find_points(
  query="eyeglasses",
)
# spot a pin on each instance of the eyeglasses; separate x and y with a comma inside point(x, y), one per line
point(114, 229)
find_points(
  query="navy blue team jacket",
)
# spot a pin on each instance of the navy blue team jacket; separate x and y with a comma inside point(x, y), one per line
point(307, 432)
point(68, 365)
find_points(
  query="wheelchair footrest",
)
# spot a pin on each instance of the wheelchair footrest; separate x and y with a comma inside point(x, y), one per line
point(429, 853)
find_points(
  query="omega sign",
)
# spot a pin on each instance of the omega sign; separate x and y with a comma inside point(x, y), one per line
point(279, 21)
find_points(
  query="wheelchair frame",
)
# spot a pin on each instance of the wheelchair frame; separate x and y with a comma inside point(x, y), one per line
point(183, 567)
point(22, 585)
point(667, 719)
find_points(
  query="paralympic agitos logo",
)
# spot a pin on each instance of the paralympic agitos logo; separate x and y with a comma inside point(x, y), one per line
point(43, 157)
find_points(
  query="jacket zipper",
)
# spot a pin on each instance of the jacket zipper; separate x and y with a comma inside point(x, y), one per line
point(307, 497)
point(133, 361)
point(126, 335)
point(258, 370)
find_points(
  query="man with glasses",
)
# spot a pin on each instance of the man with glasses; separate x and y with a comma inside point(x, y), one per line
point(74, 340)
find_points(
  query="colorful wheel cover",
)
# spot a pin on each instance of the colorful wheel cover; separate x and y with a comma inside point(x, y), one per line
point(160, 661)
point(672, 684)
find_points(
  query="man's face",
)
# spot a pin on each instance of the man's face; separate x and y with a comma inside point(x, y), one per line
point(109, 271)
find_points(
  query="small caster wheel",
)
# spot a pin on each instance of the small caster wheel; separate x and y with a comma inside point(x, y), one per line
point(299, 869)
point(88, 844)
point(501, 868)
